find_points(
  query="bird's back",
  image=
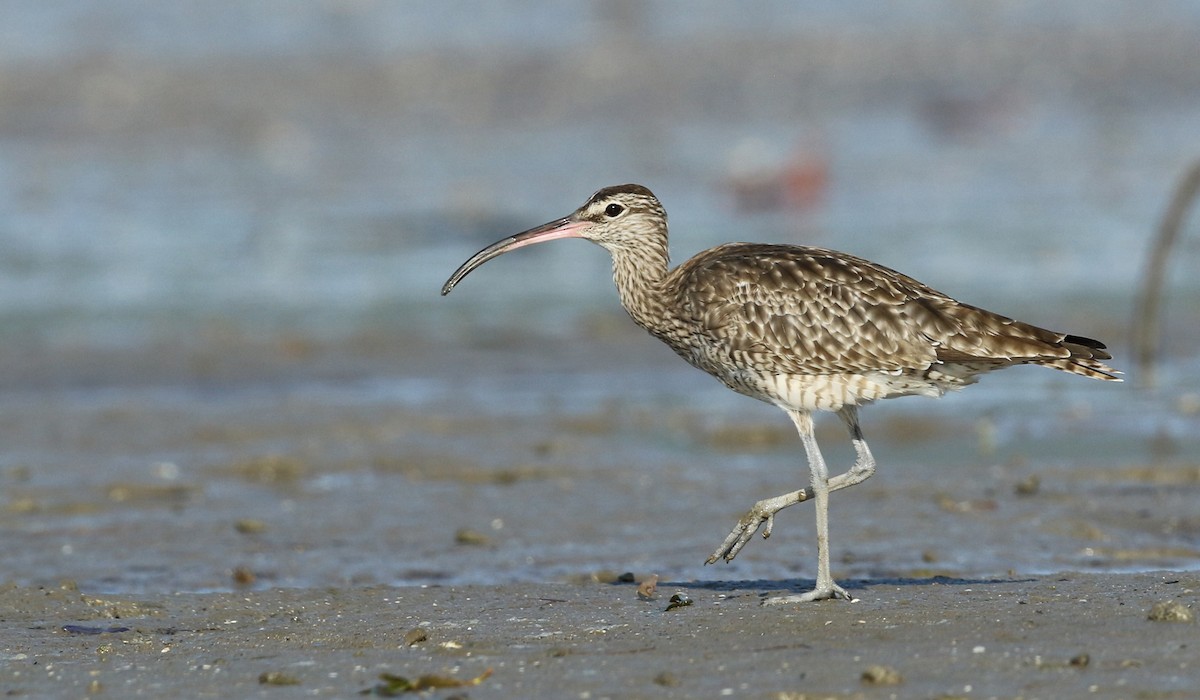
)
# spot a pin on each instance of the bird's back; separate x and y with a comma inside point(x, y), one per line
point(813, 328)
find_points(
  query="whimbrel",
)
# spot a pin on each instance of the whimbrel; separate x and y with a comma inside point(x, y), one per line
point(805, 329)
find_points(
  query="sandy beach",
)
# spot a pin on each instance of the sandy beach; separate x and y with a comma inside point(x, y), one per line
point(313, 532)
point(247, 450)
point(1067, 635)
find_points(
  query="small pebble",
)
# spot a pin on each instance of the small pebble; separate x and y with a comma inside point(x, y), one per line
point(471, 537)
point(1028, 486)
point(250, 526)
point(648, 589)
point(877, 674)
point(679, 600)
point(415, 635)
point(1171, 611)
point(277, 678)
point(243, 576)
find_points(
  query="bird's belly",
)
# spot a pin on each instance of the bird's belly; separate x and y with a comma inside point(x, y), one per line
point(829, 392)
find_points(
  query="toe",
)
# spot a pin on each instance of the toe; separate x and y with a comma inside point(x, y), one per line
point(833, 592)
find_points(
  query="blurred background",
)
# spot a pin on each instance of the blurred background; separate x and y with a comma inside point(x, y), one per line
point(224, 227)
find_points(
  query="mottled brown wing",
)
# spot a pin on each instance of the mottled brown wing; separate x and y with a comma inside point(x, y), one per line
point(813, 311)
point(800, 310)
point(979, 337)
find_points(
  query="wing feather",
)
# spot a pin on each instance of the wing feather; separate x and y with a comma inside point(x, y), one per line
point(802, 310)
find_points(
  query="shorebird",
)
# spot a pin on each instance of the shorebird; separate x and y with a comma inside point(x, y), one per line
point(805, 329)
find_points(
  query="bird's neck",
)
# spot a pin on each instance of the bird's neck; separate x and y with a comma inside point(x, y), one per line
point(640, 276)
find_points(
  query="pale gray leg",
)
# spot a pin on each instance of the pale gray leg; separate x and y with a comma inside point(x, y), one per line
point(764, 511)
point(864, 461)
point(825, 588)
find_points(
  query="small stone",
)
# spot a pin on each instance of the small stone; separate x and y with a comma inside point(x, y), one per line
point(243, 576)
point(277, 678)
point(877, 674)
point(250, 526)
point(472, 538)
point(1171, 611)
point(1028, 486)
point(415, 635)
point(648, 589)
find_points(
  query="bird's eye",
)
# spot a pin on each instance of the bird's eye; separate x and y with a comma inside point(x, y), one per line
point(613, 210)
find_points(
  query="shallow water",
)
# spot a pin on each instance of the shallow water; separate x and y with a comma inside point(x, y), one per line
point(225, 231)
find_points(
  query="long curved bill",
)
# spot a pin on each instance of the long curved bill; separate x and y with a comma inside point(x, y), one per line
point(561, 228)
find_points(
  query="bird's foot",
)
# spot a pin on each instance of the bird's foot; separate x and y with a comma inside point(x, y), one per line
point(741, 534)
point(831, 591)
point(762, 513)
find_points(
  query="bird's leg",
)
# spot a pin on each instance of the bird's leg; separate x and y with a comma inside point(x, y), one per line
point(764, 511)
point(864, 461)
point(825, 588)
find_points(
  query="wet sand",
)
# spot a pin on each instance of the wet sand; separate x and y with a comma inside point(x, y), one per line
point(225, 531)
point(247, 450)
point(1060, 636)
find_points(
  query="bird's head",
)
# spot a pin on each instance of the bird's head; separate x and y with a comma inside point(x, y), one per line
point(624, 217)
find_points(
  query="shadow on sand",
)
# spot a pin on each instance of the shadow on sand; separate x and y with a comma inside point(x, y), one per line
point(802, 585)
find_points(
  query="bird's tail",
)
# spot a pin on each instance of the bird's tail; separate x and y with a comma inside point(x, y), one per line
point(1085, 359)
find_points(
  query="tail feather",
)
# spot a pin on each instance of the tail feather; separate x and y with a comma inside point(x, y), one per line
point(1024, 344)
point(1084, 360)
point(1085, 367)
point(1086, 347)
